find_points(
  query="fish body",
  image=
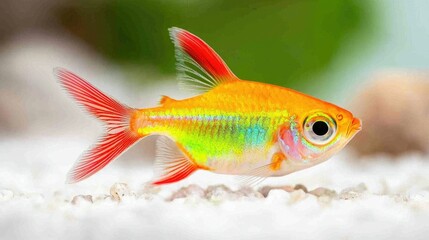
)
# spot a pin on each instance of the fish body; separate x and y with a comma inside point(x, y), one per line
point(233, 127)
point(224, 130)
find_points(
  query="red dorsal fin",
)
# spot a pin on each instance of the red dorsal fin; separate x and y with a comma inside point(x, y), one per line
point(116, 116)
point(171, 163)
point(199, 66)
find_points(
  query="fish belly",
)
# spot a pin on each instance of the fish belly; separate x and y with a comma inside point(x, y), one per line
point(243, 163)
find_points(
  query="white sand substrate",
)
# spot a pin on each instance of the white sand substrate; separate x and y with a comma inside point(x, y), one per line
point(344, 198)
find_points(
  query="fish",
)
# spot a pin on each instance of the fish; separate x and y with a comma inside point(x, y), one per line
point(231, 126)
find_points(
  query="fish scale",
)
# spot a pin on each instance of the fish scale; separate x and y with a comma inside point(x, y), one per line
point(230, 135)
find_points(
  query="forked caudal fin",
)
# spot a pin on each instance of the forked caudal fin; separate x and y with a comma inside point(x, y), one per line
point(199, 66)
point(116, 116)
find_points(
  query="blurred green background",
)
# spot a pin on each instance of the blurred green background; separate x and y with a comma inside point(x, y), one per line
point(287, 42)
point(331, 49)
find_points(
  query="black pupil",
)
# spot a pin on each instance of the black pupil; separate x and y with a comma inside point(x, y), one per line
point(320, 128)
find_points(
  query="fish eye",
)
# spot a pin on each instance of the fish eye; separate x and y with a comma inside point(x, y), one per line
point(319, 129)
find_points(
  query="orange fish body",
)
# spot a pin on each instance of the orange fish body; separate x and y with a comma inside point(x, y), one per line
point(233, 127)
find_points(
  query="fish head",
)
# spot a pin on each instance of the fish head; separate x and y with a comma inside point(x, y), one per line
point(313, 135)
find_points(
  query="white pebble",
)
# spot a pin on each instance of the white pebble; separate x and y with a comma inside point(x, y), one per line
point(81, 199)
point(191, 191)
point(278, 196)
point(120, 191)
point(5, 195)
point(353, 192)
point(219, 193)
point(419, 196)
point(297, 196)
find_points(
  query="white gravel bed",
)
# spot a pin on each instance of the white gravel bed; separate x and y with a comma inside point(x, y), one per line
point(344, 198)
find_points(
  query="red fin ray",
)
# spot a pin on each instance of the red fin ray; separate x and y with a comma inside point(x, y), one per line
point(116, 116)
point(171, 164)
point(97, 157)
point(199, 66)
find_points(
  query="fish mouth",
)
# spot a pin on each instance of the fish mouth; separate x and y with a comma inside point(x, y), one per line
point(354, 127)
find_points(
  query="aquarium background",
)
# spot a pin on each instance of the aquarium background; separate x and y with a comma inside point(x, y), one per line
point(370, 57)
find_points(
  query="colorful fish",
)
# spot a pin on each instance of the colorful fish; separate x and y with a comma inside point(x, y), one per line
point(233, 127)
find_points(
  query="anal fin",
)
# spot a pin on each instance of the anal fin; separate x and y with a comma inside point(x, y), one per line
point(171, 164)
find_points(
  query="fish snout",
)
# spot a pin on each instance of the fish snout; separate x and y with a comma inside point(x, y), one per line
point(355, 126)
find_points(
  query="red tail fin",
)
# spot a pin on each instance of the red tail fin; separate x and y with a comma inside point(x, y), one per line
point(117, 117)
